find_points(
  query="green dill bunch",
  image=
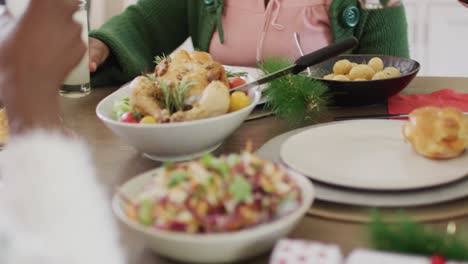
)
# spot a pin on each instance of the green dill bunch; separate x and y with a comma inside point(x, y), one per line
point(297, 98)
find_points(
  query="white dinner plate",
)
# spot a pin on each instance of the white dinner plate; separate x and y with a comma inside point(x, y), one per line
point(367, 154)
point(359, 197)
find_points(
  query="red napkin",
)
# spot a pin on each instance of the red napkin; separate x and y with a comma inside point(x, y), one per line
point(404, 104)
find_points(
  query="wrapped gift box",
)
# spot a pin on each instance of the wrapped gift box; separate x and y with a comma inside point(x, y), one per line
point(309, 252)
point(305, 252)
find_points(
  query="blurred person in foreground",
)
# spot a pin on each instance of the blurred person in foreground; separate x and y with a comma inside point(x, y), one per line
point(52, 208)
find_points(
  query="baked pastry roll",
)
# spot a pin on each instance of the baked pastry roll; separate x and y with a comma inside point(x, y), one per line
point(437, 133)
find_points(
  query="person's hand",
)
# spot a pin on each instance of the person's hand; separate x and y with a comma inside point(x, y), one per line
point(37, 52)
point(98, 53)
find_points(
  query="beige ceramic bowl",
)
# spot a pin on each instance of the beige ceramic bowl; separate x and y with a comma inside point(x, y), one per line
point(214, 248)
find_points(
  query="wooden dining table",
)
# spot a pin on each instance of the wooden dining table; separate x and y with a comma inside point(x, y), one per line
point(117, 162)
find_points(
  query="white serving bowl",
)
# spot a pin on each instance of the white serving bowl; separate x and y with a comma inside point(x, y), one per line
point(174, 141)
point(214, 248)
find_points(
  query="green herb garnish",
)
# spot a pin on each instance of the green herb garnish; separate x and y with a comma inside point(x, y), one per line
point(207, 160)
point(176, 178)
point(145, 211)
point(168, 164)
point(236, 74)
point(174, 98)
point(178, 96)
point(223, 168)
point(167, 94)
point(211, 162)
point(240, 189)
point(159, 59)
point(137, 115)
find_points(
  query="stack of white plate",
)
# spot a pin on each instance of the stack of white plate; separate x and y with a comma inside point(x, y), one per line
point(368, 163)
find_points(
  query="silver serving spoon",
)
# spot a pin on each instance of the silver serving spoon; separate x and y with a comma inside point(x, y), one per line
point(297, 38)
point(304, 62)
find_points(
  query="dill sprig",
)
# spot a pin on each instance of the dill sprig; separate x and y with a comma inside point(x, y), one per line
point(158, 59)
point(409, 237)
point(297, 98)
point(230, 74)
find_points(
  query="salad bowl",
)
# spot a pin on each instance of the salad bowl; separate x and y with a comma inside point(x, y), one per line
point(224, 247)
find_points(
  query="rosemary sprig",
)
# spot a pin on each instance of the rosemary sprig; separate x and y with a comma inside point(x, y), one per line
point(158, 59)
point(236, 74)
point(174, 98)
point(296, 98)
point(178, 95)
point(167, 94)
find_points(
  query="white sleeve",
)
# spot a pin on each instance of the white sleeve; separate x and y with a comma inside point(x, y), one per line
point(59, 210)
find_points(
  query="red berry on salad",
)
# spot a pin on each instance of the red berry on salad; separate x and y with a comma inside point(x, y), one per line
point(129, 117)
point(238, 81)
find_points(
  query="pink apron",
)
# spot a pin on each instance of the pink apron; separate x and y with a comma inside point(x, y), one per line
point(254, 32)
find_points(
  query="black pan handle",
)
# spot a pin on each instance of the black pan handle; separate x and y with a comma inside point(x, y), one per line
point(324, 54)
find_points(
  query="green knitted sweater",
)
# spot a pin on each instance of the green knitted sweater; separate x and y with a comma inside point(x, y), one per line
point(154, 27)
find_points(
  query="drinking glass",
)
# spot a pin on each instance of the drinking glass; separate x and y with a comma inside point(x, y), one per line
point(77, 83)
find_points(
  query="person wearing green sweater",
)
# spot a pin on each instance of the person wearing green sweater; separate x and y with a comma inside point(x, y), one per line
point(239, 32)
